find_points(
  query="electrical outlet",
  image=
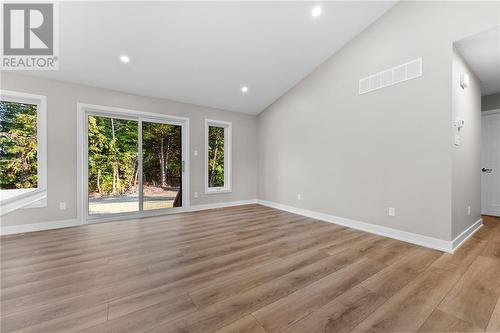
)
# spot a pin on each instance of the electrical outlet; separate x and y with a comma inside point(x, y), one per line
point(468, 210)
point(195, 153)
point(392, 211)
point(62, 205)
point(299, 196)
point(196, 194)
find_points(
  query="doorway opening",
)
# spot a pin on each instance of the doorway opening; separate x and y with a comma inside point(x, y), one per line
point(481, 52)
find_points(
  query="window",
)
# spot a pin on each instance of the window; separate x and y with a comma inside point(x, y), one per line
point(133, 163)
point(23, 153)
point(217, 156)
point(115, 164)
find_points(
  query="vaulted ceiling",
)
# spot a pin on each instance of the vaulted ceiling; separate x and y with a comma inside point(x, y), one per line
point(205, 52)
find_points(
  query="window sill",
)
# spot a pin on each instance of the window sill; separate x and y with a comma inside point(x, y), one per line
point(24, 198)
point(218, 190)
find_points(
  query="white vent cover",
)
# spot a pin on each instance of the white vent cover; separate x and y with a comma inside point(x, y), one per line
point(391, 76)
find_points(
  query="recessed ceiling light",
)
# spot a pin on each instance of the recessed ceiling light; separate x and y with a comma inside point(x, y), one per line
point(125, 59)
point(316, 11)
point(244, 89)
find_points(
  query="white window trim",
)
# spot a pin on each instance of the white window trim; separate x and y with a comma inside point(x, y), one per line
point(83, 110)
point(36, 197)
point(228, 139)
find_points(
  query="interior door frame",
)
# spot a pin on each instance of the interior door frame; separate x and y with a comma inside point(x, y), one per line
point(84, 110)
point(485, 114)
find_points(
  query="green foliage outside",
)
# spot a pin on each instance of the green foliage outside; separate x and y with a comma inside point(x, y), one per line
point(215, 156)
point(162, 154)
point(113, 150)
point(18, 146)
point(112, 155)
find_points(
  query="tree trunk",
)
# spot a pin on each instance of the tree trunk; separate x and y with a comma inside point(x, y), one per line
point(166, 160)
point(116, 180)
point(162, 165)
point(99, 181)
point(136, 176)
point(213, 162)
point(113, 190)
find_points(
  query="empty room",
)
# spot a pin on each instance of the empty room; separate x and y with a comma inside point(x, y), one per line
point(250, 166)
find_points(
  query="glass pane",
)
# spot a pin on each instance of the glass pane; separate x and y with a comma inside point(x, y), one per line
point(162, 165)
point(215, 156)
point(18, 146)
point(113, 167)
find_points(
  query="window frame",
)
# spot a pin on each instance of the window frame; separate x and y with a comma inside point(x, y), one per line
point(228, 136)
point(35, 197)
point(83, 111)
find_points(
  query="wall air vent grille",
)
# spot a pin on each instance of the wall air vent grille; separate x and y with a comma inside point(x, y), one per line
point(391, 76)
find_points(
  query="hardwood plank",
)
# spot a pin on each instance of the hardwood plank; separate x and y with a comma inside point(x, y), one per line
point(494, 324)
point(474, 297)
point(341, 314)
point(72, 323)
point(228, 287)
point(247, 324)
point(141, 320)
point(391, 279)
point(463, 257)
point(440, 321)
point(285, 312)
point(408, 309)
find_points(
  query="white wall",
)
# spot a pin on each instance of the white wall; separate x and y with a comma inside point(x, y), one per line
point(466, 181)
point(62, 143)
point(353, 155)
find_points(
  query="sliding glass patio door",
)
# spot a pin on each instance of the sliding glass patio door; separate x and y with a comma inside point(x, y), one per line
point(133, 165)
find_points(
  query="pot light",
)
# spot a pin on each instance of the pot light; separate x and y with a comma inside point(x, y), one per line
point(316, 11)
point(125, 59)
point(244, 89)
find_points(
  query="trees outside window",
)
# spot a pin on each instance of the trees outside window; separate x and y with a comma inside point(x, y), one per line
point(18, 146)
point(23, 151)
point(217, 156)
point(114, 165)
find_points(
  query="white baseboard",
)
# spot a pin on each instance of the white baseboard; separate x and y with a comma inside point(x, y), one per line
point(23, 228)
point(431, 242)
point(460, 239)
point(195, 208)
point(19, 229)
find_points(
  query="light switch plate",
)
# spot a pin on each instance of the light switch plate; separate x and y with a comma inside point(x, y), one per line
point(392, 211)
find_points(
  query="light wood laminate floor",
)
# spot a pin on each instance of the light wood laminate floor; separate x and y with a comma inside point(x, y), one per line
point(244, 269)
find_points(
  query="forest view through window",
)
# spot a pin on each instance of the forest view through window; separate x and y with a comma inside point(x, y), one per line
point(162, 166)
point(18, 146)
point(216, 156)
point(114, 179)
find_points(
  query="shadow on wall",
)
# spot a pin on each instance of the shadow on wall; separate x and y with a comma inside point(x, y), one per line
point(490, 102)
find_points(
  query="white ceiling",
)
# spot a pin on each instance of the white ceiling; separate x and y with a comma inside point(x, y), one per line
point(203, 52)
point(482, 53)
